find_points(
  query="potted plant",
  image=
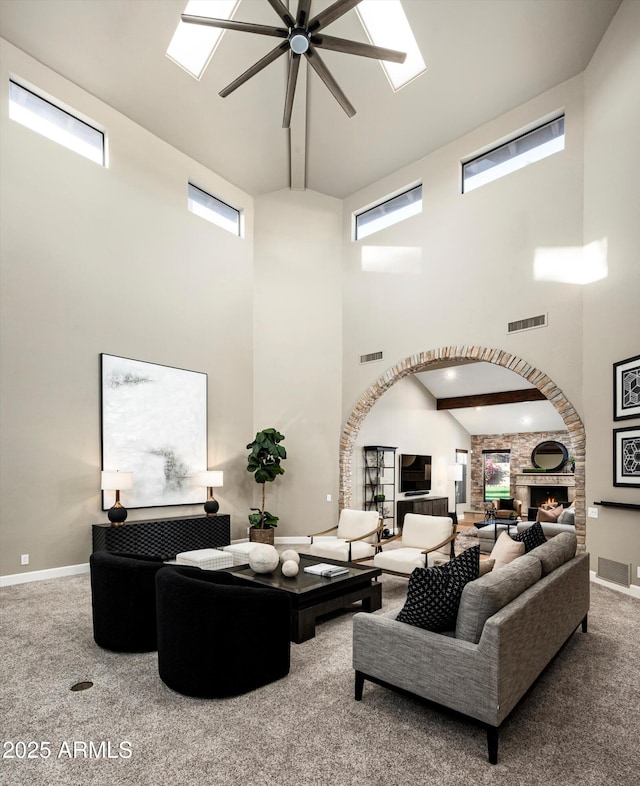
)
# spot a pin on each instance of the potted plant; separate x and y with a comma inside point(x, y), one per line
point(264, 463)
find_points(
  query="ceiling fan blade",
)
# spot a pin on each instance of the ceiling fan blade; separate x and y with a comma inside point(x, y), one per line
point(283, 12)
point(318, 65)
point(302, 17)
point(330, 14)
point(292, 79)
point(274, 54)
point(356, 48)
point(231, 24)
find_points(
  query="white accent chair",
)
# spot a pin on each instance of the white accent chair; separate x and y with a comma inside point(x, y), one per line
point(357, 537)
point(423, 542)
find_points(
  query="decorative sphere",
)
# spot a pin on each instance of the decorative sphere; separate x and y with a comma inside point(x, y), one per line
point(290, 568)
point(290, 554)
point(263, 558)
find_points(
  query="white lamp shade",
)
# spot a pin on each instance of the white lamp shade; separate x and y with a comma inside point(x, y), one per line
point(212, 478)
point(454, 472)
point(116, 481)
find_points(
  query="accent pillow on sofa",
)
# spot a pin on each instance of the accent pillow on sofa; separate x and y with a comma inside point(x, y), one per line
point(549, 515)
point(486, 566)
point(531, 537)
point(433, 597)
point(506, 549)
point(568, 516)
point(433, 594)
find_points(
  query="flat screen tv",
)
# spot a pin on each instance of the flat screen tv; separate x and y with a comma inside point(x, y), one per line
point(415, 473)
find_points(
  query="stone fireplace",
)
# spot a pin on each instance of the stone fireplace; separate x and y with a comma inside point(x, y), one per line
point(535, 488)
point(540, 495)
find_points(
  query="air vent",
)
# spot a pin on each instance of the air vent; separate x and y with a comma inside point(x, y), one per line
point(527, 324)
point(618, 572)
point(371, 357)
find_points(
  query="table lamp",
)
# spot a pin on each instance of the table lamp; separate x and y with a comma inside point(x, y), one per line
point(454, 473)
point(116, 481)
point(212, 478)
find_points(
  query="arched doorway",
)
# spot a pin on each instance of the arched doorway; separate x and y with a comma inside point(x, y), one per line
point(422, 362)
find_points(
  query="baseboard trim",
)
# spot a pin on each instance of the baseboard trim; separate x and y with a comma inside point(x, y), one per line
point(41, 575)
point(633, 589)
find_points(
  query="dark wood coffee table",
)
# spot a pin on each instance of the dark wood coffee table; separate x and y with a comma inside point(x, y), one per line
point(312, 596)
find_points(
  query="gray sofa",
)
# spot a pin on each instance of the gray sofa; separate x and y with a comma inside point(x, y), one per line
point(487, 535)
point(510, 624)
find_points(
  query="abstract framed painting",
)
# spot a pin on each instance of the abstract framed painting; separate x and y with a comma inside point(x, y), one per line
point(626, 456)
point(154, 424)
point(626, 389)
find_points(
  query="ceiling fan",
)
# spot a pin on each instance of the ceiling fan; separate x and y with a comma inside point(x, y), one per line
point(302, 36)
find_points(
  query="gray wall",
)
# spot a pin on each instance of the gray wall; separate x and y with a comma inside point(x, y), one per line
point(109, 260)
point(106, 260)
point(612, 306)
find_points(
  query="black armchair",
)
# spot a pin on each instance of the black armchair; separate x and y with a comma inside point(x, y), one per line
point(216, 638)
point(123, 599)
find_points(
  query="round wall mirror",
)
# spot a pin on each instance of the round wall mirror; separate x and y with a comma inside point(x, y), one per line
point(549, 455)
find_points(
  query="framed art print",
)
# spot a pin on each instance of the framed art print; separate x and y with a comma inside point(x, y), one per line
point(626, 456)
point(154, 424)
point(626, 389)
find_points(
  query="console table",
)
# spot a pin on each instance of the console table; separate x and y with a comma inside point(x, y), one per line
point(164, 537)
point(427, 506)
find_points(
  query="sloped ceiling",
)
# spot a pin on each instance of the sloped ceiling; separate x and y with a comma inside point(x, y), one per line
point(471, 379)
point(483, 57)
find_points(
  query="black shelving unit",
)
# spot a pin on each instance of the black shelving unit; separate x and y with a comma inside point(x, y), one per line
point(380, 483)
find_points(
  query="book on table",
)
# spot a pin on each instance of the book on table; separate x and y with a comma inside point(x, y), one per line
point(326, 570)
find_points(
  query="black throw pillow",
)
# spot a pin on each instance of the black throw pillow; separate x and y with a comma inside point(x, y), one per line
point(433, 597)
point(433, 594)
point(531, 537)
point(466, 566)
point(506, 504)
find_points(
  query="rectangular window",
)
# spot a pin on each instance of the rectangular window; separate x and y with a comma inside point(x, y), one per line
point(543, 141)
point(40, 115)
point(214, 210)
point(389, 212)
point(496, 474)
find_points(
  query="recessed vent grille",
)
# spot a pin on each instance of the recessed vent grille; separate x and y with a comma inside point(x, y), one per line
point(618, 572)
point(527, 324)
point(371, 357)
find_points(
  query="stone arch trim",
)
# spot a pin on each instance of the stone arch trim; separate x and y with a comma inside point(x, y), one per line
point(422, 362)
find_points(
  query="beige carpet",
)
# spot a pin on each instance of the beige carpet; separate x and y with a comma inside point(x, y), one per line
point(578, 727)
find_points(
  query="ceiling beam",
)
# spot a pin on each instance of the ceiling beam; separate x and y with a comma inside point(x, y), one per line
point(298, 133)
point(491, 399)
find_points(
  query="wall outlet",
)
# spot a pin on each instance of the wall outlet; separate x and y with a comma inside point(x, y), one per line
point(24, 559)
point(592, 513)
point(638, 571)
point(328, 497)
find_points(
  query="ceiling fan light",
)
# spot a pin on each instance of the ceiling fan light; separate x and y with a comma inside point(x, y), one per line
point(299, 41)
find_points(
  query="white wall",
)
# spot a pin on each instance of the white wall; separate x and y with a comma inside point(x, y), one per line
point(612, 306)
point(476, 258)
point(406, 418)
point(298, 360)
point(106, 260)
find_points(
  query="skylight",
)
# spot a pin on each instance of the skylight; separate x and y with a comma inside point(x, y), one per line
point(193, 45)
point(44, 117)
point(386, 24)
